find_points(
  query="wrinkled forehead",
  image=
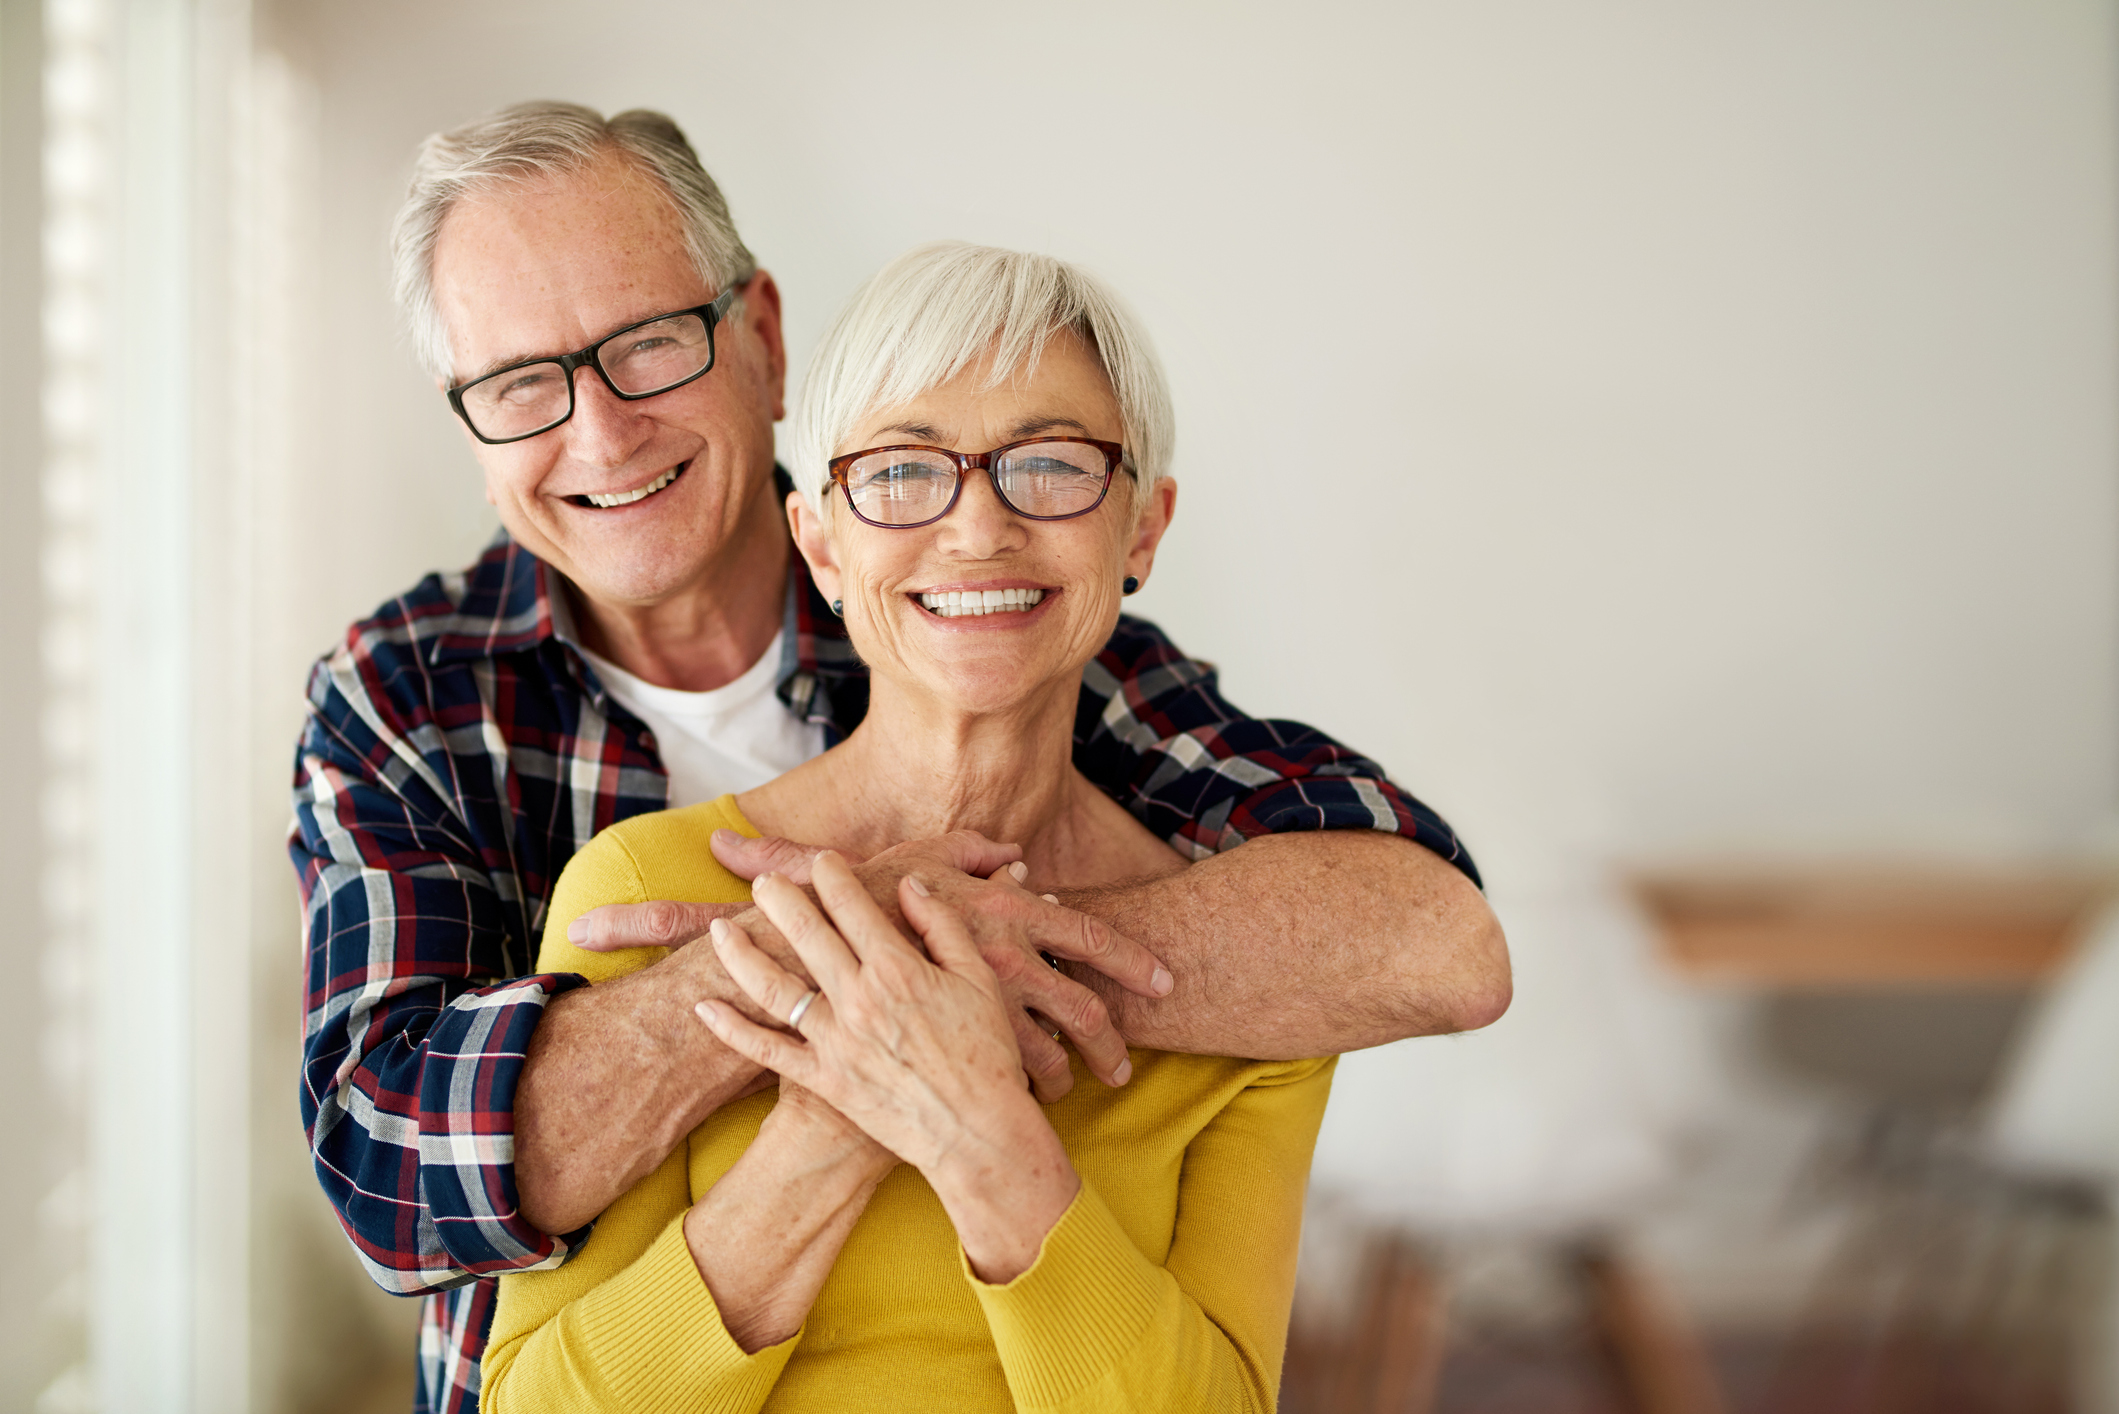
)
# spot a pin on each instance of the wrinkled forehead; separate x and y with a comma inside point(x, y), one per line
point(1020, 360)
point(527, 268)
point(999, 394)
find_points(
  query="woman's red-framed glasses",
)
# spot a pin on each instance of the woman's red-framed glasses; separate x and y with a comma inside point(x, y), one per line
point(1040, 478)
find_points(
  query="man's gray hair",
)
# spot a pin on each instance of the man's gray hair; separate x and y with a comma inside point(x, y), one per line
point(933, 311)
point(533, 141)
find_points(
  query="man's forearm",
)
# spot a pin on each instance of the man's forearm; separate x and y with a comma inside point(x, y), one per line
point(616, 1076)
point(1290, 946)
point(1307, 944)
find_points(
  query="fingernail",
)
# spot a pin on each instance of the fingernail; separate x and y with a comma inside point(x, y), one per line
point(1049, 898)
point(1161, 982)
point(767, 877)
point(1019, 871)
point(720, 930)
point(912, 881)
point(715, 838)
point(578, 931)
point(1124, 1071)
point(704, 1012)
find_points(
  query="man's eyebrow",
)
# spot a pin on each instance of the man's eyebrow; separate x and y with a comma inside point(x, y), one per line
point(517, 360)
point(511, 361)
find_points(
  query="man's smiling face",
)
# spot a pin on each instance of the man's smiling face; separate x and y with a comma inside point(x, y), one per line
point(551, 266)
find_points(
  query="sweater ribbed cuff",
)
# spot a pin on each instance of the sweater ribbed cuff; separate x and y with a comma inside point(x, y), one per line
point(1083, 1306)
point(683, 1358)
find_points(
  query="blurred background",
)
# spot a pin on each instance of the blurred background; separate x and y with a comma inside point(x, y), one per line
point(1679, 439)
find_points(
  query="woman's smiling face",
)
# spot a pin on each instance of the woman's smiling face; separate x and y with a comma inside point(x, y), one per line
point(1065, 575)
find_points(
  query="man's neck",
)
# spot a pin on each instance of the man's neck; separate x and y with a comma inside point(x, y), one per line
point(708, 634)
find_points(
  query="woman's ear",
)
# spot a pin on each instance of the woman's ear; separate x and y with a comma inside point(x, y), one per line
point(1154, 521)
point(815, 545)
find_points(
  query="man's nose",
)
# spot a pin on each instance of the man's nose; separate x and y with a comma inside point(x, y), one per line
point(605, 429)
point(981, 526)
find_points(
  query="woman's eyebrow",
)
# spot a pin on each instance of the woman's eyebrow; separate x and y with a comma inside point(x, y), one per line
point(924, 431)
point(1031, 426)
point(927, 432)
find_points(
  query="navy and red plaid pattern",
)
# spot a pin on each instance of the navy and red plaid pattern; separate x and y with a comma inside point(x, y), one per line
point(458, 751)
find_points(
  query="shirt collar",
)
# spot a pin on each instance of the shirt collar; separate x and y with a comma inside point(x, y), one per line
point(822, 679)
point(505, 607)
point(509, 604)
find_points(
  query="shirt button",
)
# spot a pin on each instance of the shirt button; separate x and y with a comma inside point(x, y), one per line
point(647, 741)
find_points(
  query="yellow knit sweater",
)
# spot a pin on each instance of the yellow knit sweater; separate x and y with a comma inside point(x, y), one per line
point(1164, 1286)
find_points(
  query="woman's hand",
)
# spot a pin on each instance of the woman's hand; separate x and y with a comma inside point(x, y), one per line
point(982, 882)
point(917, 1053)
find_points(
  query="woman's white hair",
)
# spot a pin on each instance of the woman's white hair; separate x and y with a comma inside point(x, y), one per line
point(932, 312)
point(533, 141)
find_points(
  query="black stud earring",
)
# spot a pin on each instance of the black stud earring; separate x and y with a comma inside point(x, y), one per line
point(838, 607)
point(1131, 586)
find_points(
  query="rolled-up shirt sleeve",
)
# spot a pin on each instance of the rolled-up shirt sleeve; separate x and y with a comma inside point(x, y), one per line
point(415, 1024)
point(1153, 730)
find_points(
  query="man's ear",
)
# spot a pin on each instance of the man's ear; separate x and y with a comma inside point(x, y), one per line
point(1148, 534)
point(808, 529)
point(761, 316)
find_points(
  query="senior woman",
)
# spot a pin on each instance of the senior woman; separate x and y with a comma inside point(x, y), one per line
point(980, 451)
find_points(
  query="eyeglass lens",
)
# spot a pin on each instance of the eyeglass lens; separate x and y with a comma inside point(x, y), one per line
point(649, 358)
point(1046, 480)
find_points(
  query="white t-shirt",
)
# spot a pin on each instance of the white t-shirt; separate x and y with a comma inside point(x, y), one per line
point(734, 738)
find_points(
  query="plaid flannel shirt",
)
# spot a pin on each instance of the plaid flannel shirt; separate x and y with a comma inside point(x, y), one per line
point(458, 750)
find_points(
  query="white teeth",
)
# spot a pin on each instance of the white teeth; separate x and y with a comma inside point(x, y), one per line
point(626, 498)
point(955, 604)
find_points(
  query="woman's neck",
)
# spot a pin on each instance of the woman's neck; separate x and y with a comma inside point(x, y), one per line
point(916, 768)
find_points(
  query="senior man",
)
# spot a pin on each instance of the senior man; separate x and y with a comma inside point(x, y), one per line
point(640, 636)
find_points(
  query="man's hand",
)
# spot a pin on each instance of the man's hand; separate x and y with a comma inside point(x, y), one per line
point(664, 924)
point(982, 882)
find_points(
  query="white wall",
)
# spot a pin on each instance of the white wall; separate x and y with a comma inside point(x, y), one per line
point(1647, 427)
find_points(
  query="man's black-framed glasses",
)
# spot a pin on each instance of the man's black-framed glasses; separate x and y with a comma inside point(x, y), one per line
point(1044, 478)
point(636, 362)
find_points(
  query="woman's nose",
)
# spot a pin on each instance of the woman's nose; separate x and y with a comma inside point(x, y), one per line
point(981, 526)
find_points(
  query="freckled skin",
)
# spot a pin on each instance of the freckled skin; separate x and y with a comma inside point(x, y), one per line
point(674, 585)
point(994, 663)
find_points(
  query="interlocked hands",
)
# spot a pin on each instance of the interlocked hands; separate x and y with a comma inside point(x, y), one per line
point(912, 1047)
point(977, 881)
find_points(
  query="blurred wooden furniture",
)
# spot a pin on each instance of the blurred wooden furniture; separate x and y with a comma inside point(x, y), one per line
point(1660, 1359)
point(1395, 1357)
point(1388, 1357)
point(1869, 926)
point(1951, 1287)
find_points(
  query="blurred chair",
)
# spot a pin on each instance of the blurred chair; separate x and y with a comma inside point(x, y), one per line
point(2055, 1116)
point(1970, 1237)
point(1555, 1125)
point(2056, 1111)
